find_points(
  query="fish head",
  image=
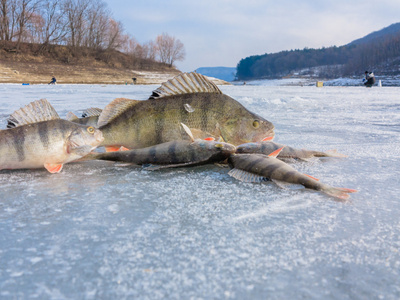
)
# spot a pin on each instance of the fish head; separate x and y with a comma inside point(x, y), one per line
point(247, 148)
point(216, 147)
point(84, 139)
point(244, 126)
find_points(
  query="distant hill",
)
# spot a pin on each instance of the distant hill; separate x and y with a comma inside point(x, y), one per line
point(378, 52)
point(384, 33)
point(224, 73)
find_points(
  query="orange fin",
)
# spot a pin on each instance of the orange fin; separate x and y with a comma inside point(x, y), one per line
point(53, 168)
point(123, 149)
point(209, 139)
point(340, 193)
point(276, 152)
point(312, 177)
point(268, 138)
point(112, 148)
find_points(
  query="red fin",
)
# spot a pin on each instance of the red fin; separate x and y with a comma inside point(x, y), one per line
point(340, 193)
point(123, 149)
point(348, 190)
point(312, 177)
point(53, 168)
point(276, 152)
point(112, 148)
point(209, 139)
point(268, 138)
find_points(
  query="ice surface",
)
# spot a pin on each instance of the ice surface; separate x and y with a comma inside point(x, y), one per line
point(103, 231)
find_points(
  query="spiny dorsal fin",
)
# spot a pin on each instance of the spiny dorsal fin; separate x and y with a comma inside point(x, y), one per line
point(186, 83)
point(71, 116)
point(91, 112)
point(36, 111)
point(114, 109)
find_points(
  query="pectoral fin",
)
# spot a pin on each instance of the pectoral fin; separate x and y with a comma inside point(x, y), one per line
point(53, 168)
point(276, 152)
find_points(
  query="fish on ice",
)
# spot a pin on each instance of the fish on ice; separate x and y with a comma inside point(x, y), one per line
point(189, 98)
point(260, 167)
point(267, 147)
point(38, 138)
point(180, 153)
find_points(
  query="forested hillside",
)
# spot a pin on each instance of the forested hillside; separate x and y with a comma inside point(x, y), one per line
point(378, 51)
point(69, 31)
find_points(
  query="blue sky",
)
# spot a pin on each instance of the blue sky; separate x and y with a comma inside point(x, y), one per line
point(221, 32)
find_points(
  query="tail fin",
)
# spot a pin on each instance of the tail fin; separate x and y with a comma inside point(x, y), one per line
point(340, 193)
point(334, 153)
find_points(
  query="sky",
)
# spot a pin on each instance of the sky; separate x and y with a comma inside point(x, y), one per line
point(222, 32)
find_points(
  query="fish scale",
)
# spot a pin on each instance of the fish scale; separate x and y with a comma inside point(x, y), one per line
point(46, 141)
point(255, 167)
point(145, 123)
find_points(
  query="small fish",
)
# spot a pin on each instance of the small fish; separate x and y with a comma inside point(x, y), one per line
point(39, 138)
point(286, 153)
point(179, 153)
point(260, 167)
point(190, 99)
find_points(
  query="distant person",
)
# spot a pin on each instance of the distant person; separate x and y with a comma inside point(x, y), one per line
point(53, 80)
point(369, 79)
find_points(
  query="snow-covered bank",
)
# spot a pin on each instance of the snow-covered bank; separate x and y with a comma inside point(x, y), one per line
point(305, 81)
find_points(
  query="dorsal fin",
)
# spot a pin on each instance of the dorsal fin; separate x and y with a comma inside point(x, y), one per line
point(91, 112)
point(186, 83)
point(71, 116)
point(36, 111)
point(114, 109)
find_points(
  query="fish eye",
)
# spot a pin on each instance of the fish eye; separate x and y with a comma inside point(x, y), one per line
point(90, 129)
point(256, 123)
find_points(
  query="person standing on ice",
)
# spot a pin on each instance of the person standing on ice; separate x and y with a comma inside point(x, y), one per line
point(369, 79)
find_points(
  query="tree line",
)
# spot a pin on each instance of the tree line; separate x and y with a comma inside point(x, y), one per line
point(79, 24)
point(381, 53)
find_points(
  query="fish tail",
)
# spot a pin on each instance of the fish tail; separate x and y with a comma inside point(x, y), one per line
point(340, 193)
point(334, 153)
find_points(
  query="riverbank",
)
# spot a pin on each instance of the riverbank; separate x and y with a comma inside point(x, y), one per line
point(41, 73)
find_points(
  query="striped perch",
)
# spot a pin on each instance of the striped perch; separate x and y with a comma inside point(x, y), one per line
point(190, 99)
point(38, 138)
point(260, 167)
point(286, 153)
point(180, 153)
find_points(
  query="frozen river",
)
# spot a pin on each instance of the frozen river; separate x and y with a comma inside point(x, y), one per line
point(102, 231)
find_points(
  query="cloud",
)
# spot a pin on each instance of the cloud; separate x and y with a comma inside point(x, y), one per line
point(221, 32)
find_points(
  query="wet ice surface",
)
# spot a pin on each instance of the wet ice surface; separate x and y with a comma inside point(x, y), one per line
point(102, 231)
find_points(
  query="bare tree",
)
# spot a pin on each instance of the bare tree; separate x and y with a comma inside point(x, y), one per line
point(55, 24)
point(75, 11)
point(169, 49)
point(4, 20)
point(25, 10)
point(114, 35)
point(97, 20)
